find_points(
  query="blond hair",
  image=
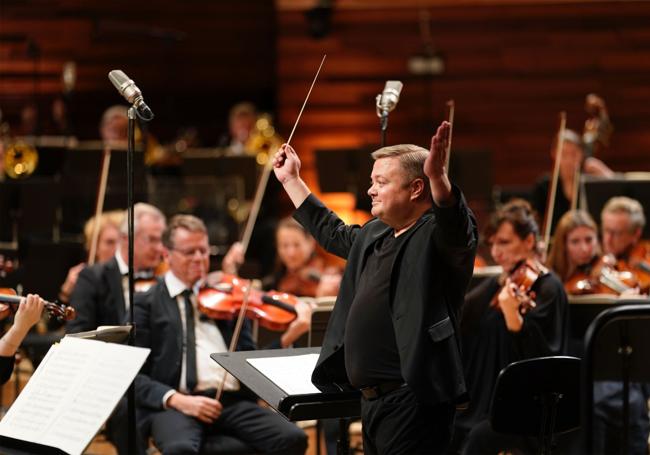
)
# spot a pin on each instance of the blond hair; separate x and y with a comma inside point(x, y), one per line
point(112, 218)
point(411, 158)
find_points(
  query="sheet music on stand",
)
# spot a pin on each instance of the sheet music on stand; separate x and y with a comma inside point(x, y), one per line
point(70, 396)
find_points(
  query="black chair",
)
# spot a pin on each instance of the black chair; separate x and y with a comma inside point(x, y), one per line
point(537, 398)
point(617, 348)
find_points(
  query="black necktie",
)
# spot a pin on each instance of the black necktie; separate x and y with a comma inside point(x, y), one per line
point(190, 342)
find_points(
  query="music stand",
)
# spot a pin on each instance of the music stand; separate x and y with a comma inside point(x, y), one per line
point(620, 337)
point(597, 191)
point(309, 406)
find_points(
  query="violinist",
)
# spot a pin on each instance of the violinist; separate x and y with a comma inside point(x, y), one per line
point(176, 388)
point(622, 223)
point(100, 295)
point(107, 242)
point(576, 257)
point(28, 314)
point(494, 331)
point(573, 162)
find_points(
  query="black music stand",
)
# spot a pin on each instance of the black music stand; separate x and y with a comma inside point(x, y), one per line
point(293, 407)
point(620, 338)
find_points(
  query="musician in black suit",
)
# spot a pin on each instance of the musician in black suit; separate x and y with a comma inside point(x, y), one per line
point(99, 296)
point(393, 333)
point(176, 388)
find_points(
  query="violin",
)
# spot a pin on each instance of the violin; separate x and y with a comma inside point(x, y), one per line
point(522, 279)
point(143, 281)
point(604, 275)
point(9, 302)
point(223, 300)
point(639, 263)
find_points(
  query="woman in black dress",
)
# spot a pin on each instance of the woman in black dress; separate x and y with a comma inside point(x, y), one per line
point(494, 331)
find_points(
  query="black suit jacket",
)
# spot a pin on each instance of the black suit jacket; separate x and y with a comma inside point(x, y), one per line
point(159, 328)
point(98, 298)
point(429, 276)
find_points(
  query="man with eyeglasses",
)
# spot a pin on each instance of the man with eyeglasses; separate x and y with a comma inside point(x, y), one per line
point(622, 223)
point(176, 388)
point(100, 296)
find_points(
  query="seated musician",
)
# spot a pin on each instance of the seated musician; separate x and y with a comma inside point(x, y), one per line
point(299, 269)
point(107, 242)
point(573, 159)
point(28, 314)
point(576, 257)
point(622, 223)
point(494, 331)
point(99, 296)
point(176, 388)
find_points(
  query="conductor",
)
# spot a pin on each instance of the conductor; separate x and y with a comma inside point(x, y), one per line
point(393, 333)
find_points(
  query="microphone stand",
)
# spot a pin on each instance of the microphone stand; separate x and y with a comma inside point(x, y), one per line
point(382, 113)
point(130, 218)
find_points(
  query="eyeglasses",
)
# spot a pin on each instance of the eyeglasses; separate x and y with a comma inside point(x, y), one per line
point(190, 253)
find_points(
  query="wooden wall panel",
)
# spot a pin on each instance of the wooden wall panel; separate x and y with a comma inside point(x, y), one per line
point(192, 59)
point(510, 66)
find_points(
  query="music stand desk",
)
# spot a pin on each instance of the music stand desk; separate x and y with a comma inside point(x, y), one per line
point(293, 407)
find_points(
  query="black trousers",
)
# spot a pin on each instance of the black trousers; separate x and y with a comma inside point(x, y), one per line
point(397, 423)
point(175, 433)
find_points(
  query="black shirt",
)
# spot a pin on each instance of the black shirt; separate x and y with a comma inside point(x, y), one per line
point(371, 355)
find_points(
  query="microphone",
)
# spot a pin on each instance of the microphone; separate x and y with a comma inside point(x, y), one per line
point(388, 99)
point(131, 93)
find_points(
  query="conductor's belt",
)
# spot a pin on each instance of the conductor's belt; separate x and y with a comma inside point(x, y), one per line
point(379, 390)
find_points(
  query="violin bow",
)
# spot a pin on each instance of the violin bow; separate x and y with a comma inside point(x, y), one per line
point(550, 207)
point(259, 194)
point(450, 118)
point(99, 205)
point(268, 167)
point(235, 335)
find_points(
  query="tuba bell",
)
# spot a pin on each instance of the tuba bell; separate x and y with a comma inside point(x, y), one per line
point(20, 160)
point(263, 141)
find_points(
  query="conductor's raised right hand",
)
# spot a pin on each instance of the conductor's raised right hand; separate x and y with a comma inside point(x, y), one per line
point(286, 164)
point(205, 409)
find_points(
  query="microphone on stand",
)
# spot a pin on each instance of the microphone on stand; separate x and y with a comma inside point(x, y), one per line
point(131, 93)
point(388, 99)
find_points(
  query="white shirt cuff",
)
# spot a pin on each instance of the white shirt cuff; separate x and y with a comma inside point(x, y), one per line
point(166, 397)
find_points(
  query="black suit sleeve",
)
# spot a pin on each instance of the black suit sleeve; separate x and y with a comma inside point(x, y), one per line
point(84, 300)
point(326, 227)
point(149, 392)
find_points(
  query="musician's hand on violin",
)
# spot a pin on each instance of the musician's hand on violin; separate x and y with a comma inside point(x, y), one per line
point(299, 326)
point(286, 166)
point(233, 259)
point(435, 166)
point(207, 410)
point(29, 312)
point(509, 304)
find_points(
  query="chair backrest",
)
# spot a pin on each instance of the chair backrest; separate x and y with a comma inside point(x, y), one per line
point(518, 400)
point(617, 347)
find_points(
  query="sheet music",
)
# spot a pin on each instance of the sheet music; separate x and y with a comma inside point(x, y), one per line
point(291, 373)
point(72, 393)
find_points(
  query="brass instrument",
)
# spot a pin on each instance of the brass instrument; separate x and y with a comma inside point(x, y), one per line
point(20, 160)
point(263, 140)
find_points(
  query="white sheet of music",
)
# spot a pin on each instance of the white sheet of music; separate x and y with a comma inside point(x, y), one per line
point(291, 373)
point(72, 393)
